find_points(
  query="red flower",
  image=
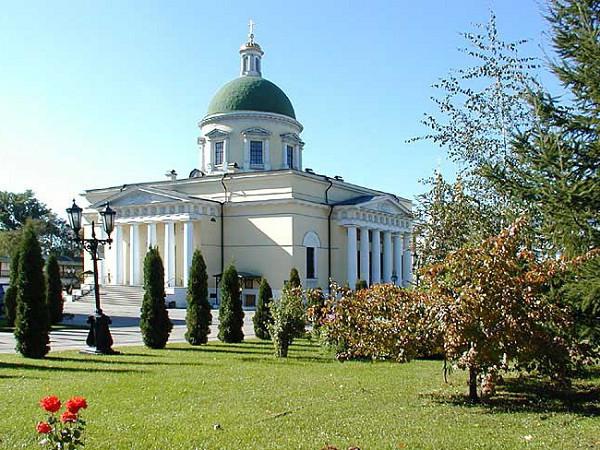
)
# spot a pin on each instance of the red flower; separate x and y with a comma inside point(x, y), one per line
point(75, 404)
point(68, 416)
point(43, 428)
point(50, 403)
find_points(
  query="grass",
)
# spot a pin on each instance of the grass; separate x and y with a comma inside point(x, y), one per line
point(173, 398)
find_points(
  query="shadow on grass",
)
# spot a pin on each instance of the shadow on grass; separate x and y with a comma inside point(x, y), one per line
point(534, 395)
point(118, 360)
point(23, 366)
point(225, 348)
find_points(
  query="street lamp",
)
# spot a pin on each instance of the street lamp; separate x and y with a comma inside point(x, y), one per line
point(99, 336)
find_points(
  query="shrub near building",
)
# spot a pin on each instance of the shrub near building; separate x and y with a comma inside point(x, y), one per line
point(289, 319)
point(154, 321)
point(198, 316)
point(54, 297)
point(31, 323)
point(262, 317)
point(231, 314)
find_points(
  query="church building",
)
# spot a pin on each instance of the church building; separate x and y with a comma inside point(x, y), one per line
point(252, 203)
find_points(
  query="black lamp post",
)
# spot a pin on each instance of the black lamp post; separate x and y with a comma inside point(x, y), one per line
point(99, 336)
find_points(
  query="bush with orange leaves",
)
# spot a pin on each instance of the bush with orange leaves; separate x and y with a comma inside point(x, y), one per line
point(495, 313)
point(383, 322)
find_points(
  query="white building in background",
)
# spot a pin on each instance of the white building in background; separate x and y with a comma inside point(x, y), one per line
point(252, 203)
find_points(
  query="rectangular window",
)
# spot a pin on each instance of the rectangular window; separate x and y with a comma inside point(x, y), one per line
point(256, 153)
point(248, 283)
point(218, 152)
point(290, 156)
point(310, 262)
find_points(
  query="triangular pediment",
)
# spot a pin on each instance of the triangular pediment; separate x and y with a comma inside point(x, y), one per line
point(382, 204)
point(217, 134)
point(256, 131)
point(142, 196)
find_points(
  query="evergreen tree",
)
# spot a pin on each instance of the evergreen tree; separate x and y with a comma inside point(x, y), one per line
point(54, 298)
point(10, 298)
point(361, 284)
point(262, 318)
point(198, 316)
point(231, 315)
point(31, 323)
point(294, 280)
point(154, 321)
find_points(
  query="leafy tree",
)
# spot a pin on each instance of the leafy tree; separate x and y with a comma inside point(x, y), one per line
point(262, 316)
point(495, 313)
point(289, 319)
point(231, 314)
point(10, 298)
point(31, 323)
point(294, 280)
point(198, 317)
point(447, 218)
point(481, 107)
point(555, 169)
point(154, 320)
point(54, 298)
point(53, 232)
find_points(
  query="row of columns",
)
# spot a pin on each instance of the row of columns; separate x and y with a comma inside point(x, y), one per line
point(134, 258)
point(397, 258)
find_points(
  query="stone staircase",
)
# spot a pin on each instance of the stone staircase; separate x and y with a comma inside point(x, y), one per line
point(118, 296)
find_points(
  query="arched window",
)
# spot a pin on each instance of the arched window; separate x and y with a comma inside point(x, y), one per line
point(312, 243)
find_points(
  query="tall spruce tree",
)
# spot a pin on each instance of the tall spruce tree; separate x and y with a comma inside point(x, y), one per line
point(198, 316)
point(54, 297)
point(154, 321)
point(31, 323)
point(263, 317)
point(231, 314)
point(10, 298)
point(294, 280)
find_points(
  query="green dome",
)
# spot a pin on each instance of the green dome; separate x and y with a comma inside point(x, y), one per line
point(251, 94)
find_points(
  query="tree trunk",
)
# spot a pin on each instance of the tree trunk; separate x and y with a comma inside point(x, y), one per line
point(473, 397)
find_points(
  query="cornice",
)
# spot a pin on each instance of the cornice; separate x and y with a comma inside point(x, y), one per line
point(216, 118)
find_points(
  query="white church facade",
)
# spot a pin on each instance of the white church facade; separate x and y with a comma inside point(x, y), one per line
point(252, 203)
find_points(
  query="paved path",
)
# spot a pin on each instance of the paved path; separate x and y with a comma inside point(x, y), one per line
point(125, 327)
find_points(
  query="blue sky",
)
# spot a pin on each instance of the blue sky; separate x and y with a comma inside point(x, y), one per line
point(99, 93)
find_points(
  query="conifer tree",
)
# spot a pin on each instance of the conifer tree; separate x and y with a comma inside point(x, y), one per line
point(10, 298)
point(31, 323)
point(294, 278)
point(198, 316)
point(262, 318)
point(154, 321)
point(54, 298)
point(231, 314)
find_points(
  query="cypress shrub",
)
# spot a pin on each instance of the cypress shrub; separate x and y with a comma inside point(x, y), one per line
point(54, 297)
point(10, 298)
point(231, 315)
point(294, 281)
point(360, 284)
point(31, 323)
point(154, 321)
point(198, 316)
point(263, 316)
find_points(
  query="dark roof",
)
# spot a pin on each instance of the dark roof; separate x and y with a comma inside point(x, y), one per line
point(356, 200)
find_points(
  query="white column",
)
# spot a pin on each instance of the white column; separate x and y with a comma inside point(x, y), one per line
point(116, 276)
point(209, 156)
point(364, 254)
point(296, 157)
point(299, 162)
point(152, 241)
point(188, 249)
point(352, 257)
point(376, 256)
point(407, 262)
point(398, 259)
point(246, 153)
point(225, 153)
point(267, 160)
point(134, 254)
point(284, 164)
point(387, 257)
point(169, 259)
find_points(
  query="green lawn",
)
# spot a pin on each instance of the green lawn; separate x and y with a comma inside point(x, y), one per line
point(146, 399)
